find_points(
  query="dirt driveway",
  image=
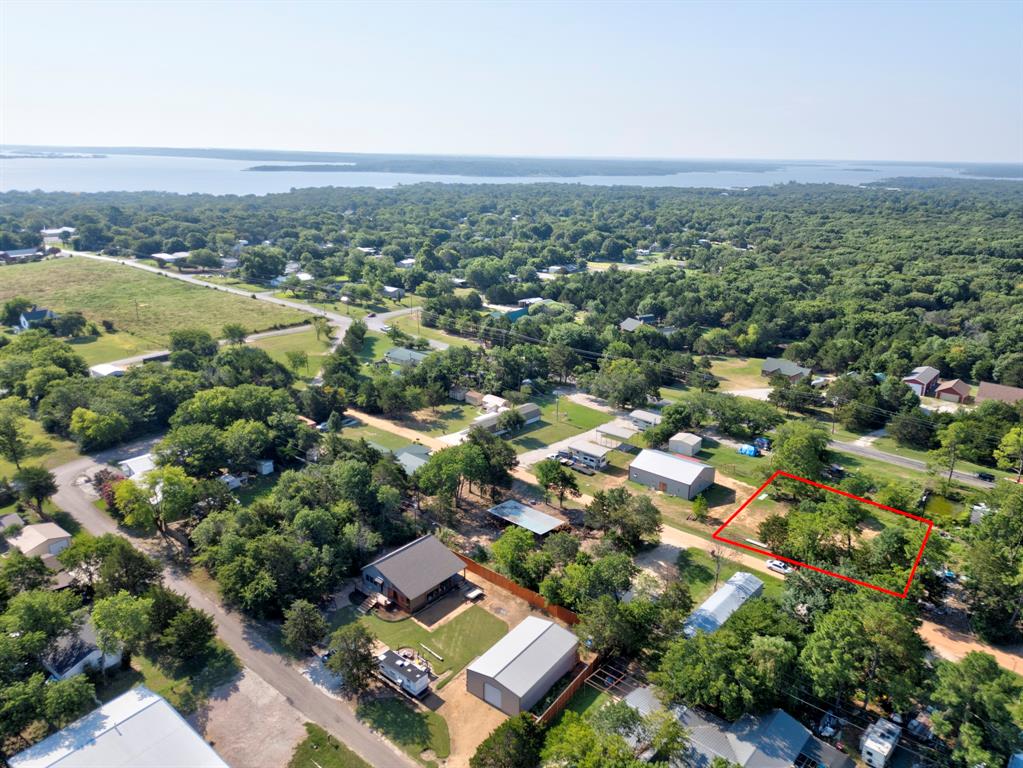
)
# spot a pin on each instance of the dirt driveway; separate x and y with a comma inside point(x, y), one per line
point(227, 723)
point(469, 719)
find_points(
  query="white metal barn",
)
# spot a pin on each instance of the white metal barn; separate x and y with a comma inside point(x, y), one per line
point(523, 665)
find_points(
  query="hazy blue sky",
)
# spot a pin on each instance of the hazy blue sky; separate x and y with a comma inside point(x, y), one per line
point(925, 81)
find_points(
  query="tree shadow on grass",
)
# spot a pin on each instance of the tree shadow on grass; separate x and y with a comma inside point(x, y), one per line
point(398, 721)
point(692, 572)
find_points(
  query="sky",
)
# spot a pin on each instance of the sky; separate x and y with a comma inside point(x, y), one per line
point(822, 80)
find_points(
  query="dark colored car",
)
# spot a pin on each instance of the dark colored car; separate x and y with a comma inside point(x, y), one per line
point(987, 477)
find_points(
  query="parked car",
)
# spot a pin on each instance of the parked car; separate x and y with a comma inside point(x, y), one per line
point(350, 422)
point(779, 566)
point(321, 427)
point(582, 470)
point(371, 314)
point(987, 477)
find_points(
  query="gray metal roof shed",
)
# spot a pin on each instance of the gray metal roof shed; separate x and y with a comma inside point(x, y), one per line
point(716, 609)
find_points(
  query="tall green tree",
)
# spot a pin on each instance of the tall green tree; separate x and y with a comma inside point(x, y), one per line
point(14, 443)
point(353, 658)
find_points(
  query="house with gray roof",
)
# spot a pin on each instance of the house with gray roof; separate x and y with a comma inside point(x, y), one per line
point(923, 380)
point(415, 575)
point(630, 324)
point(77, 651)
point(771, 740)
point(716, 609)
point(33, 318)
point(404, 356)
point(518, 670)
point(775, 366)
point(412, 457)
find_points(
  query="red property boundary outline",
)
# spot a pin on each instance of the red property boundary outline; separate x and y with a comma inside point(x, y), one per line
point(930, 526)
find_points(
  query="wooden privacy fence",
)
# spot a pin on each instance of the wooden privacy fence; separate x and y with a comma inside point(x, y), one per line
point(535, 599)
point(566, 695)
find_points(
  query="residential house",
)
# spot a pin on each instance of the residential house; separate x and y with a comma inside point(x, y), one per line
point(41, 539)
point(404, 356)
point(412, 457)
point(229, 263)
point(954, 391)
point(774, 366)
point(75, 653)
point(527, 303)
point(679, 476)
point(1000, 392)
point(878, 742)
point(644, 419)
point(472, 397)
point(518, 670)
point(530, 413)
point(716, 609)
point(34, 317)
point(416, 574)
point(589, 453)
point(392, 292)
point(772, 740)
point(405, 673)
point(923, 380)
point(137, 729)
point(685, 443)
point(405, 264)
point(630, 324)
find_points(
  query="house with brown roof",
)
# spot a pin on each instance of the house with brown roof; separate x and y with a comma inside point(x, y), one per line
point(999, 392)
point(954, 391)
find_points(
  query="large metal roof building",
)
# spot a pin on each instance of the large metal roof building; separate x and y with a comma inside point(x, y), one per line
point(523, 665)
point(716, 609)
point(138, 729)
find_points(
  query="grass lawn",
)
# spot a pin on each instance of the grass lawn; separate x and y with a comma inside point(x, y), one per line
point(586, 701)
point(458, 641)
point(698, 572)
point(141, 305)
point(889, 445)
point(728, 461)
point(375, 435)
point(374, 347)
point(321, 750)
point(445, 419)
point(411, 729)
point(258, 488)
point(408, 324)
point(185, 686)
point(738, 372)
point(559, 419)
point(109, 346)
point(44, 449)
point(278, 348)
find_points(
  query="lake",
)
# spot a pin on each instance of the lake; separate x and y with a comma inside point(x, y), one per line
point(122, 172)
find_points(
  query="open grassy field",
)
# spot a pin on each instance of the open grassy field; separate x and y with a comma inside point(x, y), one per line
point(144, 307)
point(751, 470)
point(738, 372)
point(697, 570)
point(558, 420)
point(47, 450)
point(373, 434)
point(278, 348)
point(458, 641)
point(321, 750)
point(422, 735)
point(444, 419)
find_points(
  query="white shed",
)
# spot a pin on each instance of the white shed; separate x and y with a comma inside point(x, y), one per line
point(685, 443)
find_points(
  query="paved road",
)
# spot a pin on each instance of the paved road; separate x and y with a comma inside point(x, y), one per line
point(870, 452)
point(239, 634)
point(381, 319)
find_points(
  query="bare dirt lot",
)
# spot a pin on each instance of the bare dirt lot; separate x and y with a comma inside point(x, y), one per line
point(227, 723)
point(469, 720)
